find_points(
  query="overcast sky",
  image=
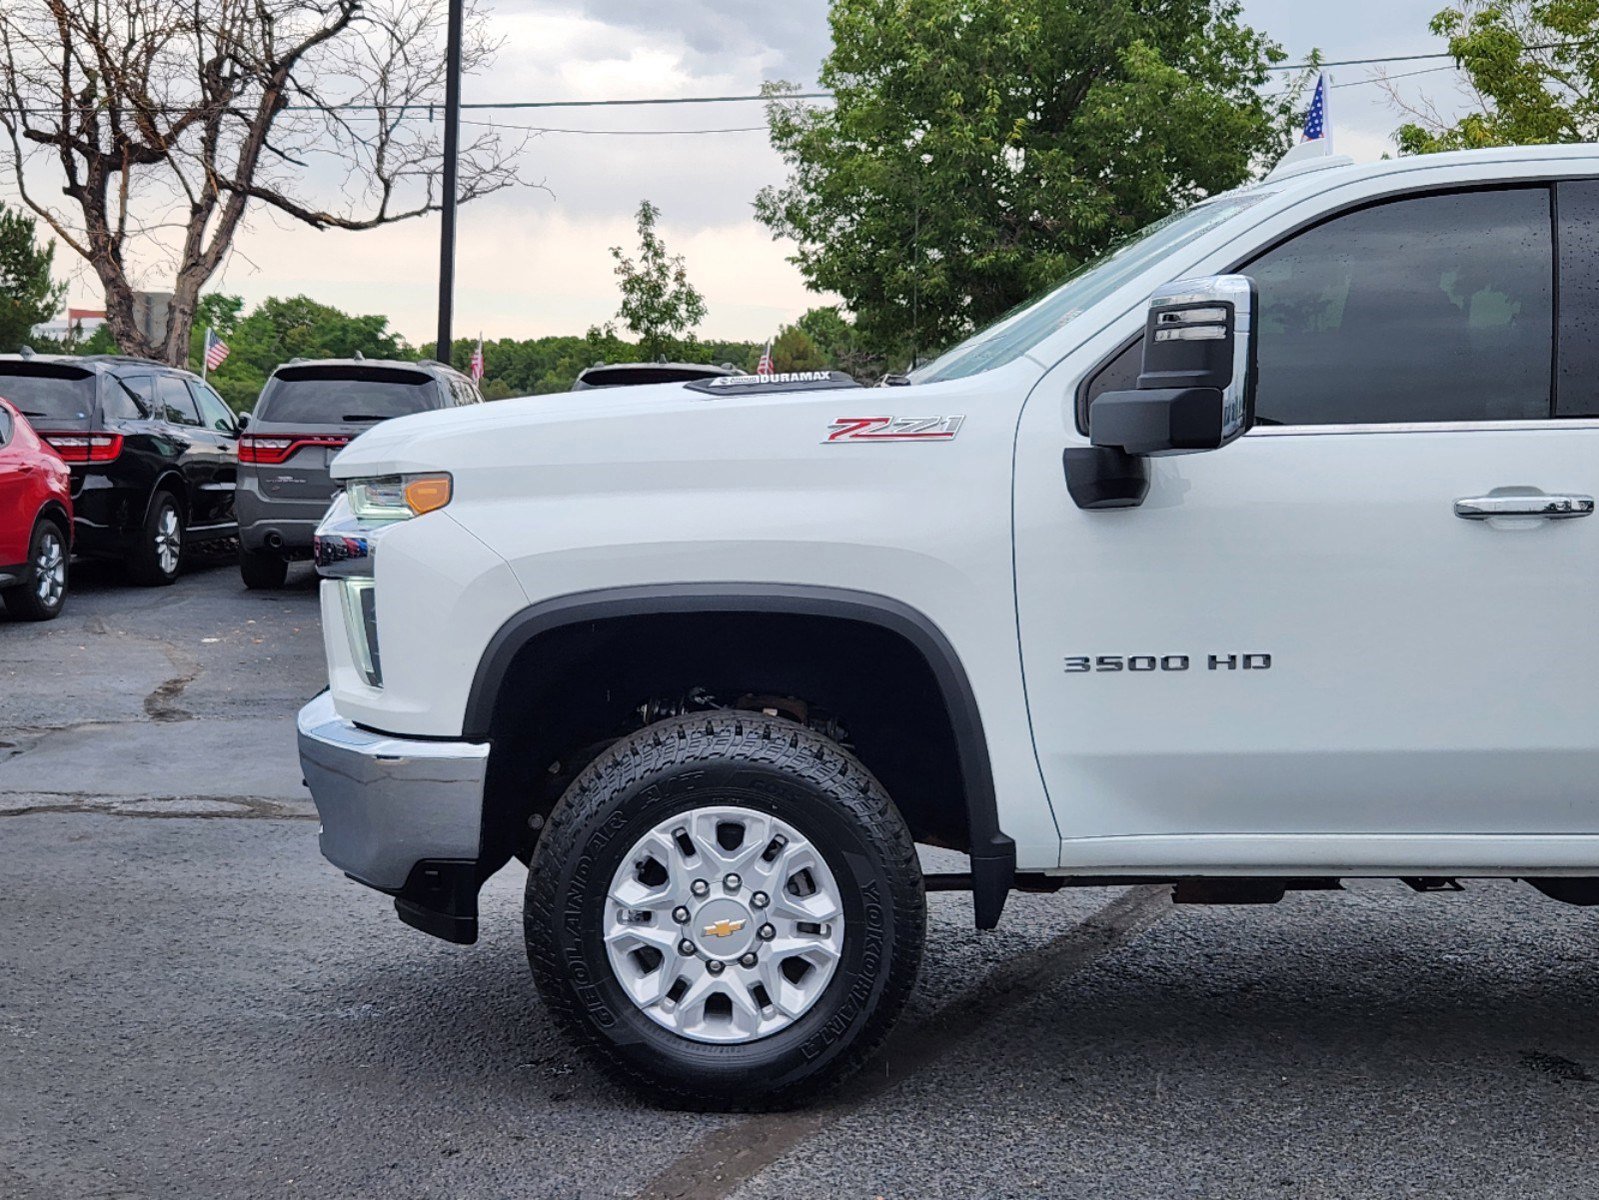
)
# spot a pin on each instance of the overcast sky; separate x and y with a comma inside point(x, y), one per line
point(533, 262)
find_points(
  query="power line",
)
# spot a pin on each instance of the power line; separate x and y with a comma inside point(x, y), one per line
point(1365, 62)
point(614, 132)
point(652, 100)
point(1391, 58)
point(758, 97)
point(1392, 78)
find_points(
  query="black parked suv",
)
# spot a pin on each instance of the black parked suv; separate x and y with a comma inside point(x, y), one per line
point(604, 375)
point(153, 451)
point(308, 412)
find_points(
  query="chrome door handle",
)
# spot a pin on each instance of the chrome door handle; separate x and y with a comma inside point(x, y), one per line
point(1550, 508)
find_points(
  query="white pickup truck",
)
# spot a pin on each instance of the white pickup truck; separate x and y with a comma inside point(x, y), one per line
point(1255, 581)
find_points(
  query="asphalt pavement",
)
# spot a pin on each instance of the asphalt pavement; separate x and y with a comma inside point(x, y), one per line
point(193, 1004)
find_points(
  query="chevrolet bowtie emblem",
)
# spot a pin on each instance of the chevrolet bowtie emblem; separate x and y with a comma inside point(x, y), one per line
point(723, 928)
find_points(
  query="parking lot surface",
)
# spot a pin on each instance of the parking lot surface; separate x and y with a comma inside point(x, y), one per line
point(193, 1004)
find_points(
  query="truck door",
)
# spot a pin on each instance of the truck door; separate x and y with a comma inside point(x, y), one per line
point(1320, 645)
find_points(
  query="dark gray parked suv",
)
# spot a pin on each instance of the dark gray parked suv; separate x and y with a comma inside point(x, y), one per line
point(309, 411)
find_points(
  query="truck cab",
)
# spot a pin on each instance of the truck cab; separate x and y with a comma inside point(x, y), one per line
point(1248, 559)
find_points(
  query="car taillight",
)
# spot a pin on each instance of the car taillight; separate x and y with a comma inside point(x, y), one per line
point(85, 448)
point(259, 448)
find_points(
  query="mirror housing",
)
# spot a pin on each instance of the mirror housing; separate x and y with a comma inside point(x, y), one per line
point(1196, 391)
point(244, 420)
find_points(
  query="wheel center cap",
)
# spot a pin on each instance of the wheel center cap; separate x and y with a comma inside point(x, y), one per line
point(723, 928)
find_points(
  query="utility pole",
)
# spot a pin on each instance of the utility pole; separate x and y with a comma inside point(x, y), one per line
point(452, 143)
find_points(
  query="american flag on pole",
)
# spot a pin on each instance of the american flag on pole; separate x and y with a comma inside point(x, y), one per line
point(216, 350)
point(477, 361)
point(1316, 123)
point(764, 367)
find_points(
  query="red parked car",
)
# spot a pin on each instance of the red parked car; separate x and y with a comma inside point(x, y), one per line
point(35, 521)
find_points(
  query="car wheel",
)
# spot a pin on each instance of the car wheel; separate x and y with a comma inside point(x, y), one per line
point(263, 570)
point(44, 593)
point(159, 556)
point(726, 909)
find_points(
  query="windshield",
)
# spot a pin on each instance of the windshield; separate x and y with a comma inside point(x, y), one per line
point(47, 392)
point(339, 395)
point(1019, 330)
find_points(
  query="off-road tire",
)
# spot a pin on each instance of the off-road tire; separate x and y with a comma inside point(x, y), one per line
point(263, 570)
point(145, 567)
point(23, 601)
point(755, 761)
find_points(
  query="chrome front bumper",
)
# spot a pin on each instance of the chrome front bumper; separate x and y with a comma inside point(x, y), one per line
point(388, 803)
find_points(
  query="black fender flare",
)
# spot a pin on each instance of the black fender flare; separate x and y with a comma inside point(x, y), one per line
point(993, 853)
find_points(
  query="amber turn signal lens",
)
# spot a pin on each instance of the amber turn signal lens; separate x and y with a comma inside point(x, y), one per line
point(424, 493)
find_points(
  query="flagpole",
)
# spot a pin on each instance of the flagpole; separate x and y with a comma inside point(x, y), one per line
point(205, 354)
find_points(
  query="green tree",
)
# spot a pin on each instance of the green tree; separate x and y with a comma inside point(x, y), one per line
point(1533, 68)
point(978, 150)
point(794, 350)
point(841, 344)
point(28, 297)
point(277, 330)
point(659, 304)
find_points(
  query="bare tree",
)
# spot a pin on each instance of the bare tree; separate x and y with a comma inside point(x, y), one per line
point(164, 123)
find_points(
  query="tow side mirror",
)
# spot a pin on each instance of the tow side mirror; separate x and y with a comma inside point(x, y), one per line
point(1196, 391)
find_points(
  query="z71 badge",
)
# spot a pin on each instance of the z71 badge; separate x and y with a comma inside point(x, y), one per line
point(893, 429)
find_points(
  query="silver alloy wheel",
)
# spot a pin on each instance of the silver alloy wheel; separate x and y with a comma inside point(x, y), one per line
point(168, 540)
point(50, 568)
point(764, 928)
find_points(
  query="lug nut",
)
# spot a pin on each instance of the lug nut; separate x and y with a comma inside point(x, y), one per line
point(759, 900)
point(680, 915)
point(714, 966)
point(685, 948)
point(732, 883)
point(748, 960)
point(767, 933)
point(699, 887)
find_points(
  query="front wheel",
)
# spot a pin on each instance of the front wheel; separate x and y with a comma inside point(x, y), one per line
point(727, 909)
point(42, 595)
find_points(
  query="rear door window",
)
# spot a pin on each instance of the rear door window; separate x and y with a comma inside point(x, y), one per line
point(177, 404)
point(6, 424)
point(310, 395)
point(48, 393)
point(129, 398)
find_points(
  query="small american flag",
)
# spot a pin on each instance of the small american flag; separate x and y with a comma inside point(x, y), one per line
point(477, 361)
point(764, 367)
point(216, 350)
point(1316, 125)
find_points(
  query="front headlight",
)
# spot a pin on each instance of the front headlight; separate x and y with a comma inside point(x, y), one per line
point(397, 497)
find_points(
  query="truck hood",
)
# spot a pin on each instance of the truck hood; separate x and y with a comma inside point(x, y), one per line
point(411, 443)
point(453, 437)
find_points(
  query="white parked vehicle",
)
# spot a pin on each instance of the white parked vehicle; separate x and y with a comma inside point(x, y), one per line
point(711, 658)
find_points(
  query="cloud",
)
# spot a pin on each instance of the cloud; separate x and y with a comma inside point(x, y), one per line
point(788, 39)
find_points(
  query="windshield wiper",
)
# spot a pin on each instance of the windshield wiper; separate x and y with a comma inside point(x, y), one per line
point(28, 412)
point(362, 417)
